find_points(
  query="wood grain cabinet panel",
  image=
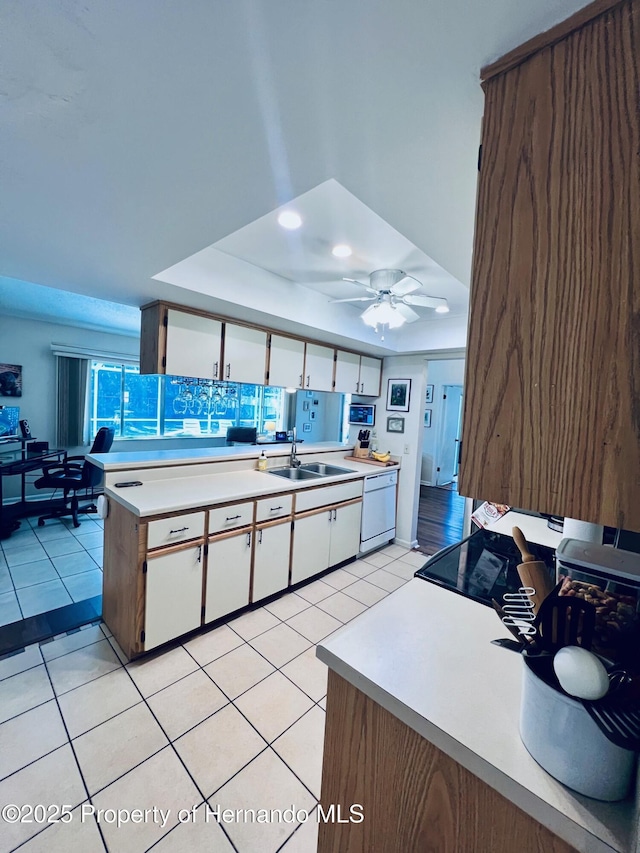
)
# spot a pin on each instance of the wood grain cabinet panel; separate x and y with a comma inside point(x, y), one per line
point(552, 389)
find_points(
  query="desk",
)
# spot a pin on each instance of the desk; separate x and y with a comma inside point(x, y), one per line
point(19, 462)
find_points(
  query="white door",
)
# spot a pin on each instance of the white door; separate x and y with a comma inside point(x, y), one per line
point(370, 370)
point(228, 575)
point(286, 362)
point(174, 595)
point(345, 533)
point(193, 345)
point(447, 457)
point(245, 354)
point(271, 560)
point(310, 552)
point(347, 379)
point(318, 369)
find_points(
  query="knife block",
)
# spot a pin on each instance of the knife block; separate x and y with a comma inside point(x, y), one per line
point(360, 451)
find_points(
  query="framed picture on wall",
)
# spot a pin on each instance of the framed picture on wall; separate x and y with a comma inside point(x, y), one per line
point(312, 415)
point(398, 393)
point(305, 405)
point(429, 398)
point(427, 418)
point(10, 380)
point(306, 427)
point(395, 424)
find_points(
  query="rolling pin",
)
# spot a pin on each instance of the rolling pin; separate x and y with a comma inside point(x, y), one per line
point(532, 572)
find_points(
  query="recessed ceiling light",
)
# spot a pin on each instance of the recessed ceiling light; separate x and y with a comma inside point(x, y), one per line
point(442, 309)
point(290, 220)
point(341, 251)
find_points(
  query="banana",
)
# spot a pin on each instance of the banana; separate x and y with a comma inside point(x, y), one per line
point(382, 457)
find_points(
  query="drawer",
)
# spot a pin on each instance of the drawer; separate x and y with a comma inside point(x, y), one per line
point(312, 498)
point(178, 528)
point(229, 517)
point(269, 508)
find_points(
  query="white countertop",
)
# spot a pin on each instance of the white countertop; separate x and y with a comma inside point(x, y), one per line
point(424, 654)
point(124, 460)
point(179, 493)
point(535, 529)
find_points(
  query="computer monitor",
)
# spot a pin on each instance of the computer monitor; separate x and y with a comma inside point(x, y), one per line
point(364, 415)
point(9, 417)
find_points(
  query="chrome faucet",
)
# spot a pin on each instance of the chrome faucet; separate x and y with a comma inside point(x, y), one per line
point(294, 462)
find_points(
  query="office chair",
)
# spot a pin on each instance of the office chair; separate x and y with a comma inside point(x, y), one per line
point(242, 435)
point(75, 475)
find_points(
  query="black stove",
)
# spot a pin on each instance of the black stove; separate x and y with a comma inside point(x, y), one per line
point(483, 566)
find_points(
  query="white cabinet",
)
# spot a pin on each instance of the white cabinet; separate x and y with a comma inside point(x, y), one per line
point(323, 539)
point(245, 354)
point(223, 518)
point(310, 549)
point(357, 374)
point(318, 368)
point(347, 372)
point(176, 529)
point(173, 594)
point(345, 533)
point(286, 362)
point(193, 345)
point(271, 559)
point(328, 495)
point(268, 509)
point(370, 373)
point(228, 574)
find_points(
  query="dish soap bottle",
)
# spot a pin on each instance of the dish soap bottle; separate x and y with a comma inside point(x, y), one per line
point(262, 462)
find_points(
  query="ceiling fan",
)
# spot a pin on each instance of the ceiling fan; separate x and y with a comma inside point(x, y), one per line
point(392, 293)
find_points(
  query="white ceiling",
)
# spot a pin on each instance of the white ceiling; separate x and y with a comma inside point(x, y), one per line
point(134, 136)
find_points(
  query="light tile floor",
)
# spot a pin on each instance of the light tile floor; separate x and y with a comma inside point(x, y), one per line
point(231, 719)
point(42, 568)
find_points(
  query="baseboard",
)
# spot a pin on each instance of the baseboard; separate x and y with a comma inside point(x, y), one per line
point(405, 543)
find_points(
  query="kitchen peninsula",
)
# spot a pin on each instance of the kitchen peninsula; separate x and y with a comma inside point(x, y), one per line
point(422, 730)
point(193, 536)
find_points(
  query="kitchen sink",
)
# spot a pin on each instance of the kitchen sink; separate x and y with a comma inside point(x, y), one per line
point(324, 469)
point(295, 473)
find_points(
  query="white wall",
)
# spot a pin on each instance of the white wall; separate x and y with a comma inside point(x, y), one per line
point(439, 373)
point(326, 424)
point(413, 368)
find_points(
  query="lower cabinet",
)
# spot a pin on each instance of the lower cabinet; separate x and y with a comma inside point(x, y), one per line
point(228, 574)
point(173, 594)
point(271, 559)
point(323, 539)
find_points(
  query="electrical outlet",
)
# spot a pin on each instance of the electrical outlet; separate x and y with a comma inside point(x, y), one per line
point(374, 434)
point(407, 449)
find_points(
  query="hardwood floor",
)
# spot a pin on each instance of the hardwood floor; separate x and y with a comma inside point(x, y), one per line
point(440, 517)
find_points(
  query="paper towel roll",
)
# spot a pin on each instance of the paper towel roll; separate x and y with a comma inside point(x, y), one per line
point(583, 530)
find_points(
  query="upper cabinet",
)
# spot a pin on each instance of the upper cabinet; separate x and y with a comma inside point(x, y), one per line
point(286, 362)
point(552, 389)
point(180, 342)
point(245, 354)
point(318, 368)
point(357, 374)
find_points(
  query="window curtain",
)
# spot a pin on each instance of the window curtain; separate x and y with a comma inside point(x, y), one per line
point(72, 388)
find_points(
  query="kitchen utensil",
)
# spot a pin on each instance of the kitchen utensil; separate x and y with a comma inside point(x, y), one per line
point(518, 611)
point(617, 716)
point(532, 572)
point(564, 621)
point(510, 625)
point(580, 673)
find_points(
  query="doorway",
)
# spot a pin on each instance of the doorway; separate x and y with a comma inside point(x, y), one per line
point(449, 438)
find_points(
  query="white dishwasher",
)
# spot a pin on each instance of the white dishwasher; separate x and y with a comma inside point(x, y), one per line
point(378, 510)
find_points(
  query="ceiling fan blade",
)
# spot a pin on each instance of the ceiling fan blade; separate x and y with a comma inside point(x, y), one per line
point(408, 313)
point(355, 299)
point(424, 301)
point(361, 284)
point(406, 285)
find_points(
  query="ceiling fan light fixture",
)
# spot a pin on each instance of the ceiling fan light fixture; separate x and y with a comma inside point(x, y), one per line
point(341, 250)
point(383, 314)
point(290, 220)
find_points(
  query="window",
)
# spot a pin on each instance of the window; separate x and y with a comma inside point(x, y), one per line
point(147, 406)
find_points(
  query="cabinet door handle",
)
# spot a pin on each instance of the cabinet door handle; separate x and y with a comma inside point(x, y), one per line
point(330, 515)
point(199, 553)
point(301, 380)
point(357, 387)
point(308, 379)
point(260, 537)
point(362, 388)
point(215, 370)
point(335, 514)
point(275, 508)
point(233, 517)
point(228, 370)
point(248, 540)
point(179, 530)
